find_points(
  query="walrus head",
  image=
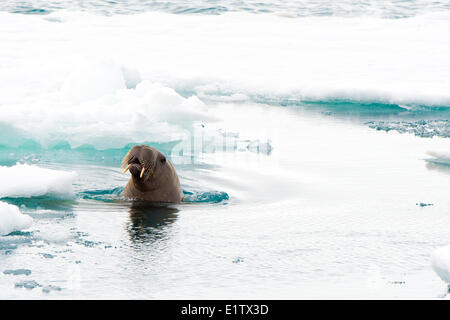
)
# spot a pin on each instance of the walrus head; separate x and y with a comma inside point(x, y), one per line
point(153, 177)
point(143, 162)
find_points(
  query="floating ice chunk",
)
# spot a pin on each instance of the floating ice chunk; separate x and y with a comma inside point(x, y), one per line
point(422, 204)
point(165, 104)
point(11, 219)
point(50, 288)
point(439, 157)
point(23, 181)
point(260, 147)
point(29, 284)
point(440, 262)
point(150, 112)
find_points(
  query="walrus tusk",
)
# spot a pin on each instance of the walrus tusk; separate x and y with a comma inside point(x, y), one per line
point(126, 169)
point(142, 172)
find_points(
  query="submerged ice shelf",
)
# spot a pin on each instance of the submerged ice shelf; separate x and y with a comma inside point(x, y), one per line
point(422, 128)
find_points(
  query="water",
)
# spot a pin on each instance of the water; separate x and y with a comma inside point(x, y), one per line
point(311, 140)
point(388, 9)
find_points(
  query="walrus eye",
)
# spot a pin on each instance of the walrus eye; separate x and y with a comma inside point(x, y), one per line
point(163, 159)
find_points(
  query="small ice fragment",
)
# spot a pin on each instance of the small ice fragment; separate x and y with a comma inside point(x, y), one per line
point(31, 284)
point(238, 260)
point(18, 272)
point(424, 204)
point(49, 288)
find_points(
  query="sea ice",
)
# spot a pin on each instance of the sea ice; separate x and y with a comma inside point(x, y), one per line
point(440, 261)
point(11, 219)
point(23, 181)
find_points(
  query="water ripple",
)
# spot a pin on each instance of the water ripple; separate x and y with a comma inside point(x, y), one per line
point(290, 8)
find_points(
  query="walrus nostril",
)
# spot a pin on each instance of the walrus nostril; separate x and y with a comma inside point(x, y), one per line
point(134, 160)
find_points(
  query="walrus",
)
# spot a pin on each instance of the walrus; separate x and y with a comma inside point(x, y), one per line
point(153, 177)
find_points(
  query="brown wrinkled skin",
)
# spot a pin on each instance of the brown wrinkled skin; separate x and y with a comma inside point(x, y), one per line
point(159, 182)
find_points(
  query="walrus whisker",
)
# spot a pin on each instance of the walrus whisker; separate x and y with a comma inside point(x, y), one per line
point(126, 159)
point(142, 172)
point(124, 163)
point(149, 174)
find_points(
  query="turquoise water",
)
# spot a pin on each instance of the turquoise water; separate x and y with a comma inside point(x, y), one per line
point(311, 140)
